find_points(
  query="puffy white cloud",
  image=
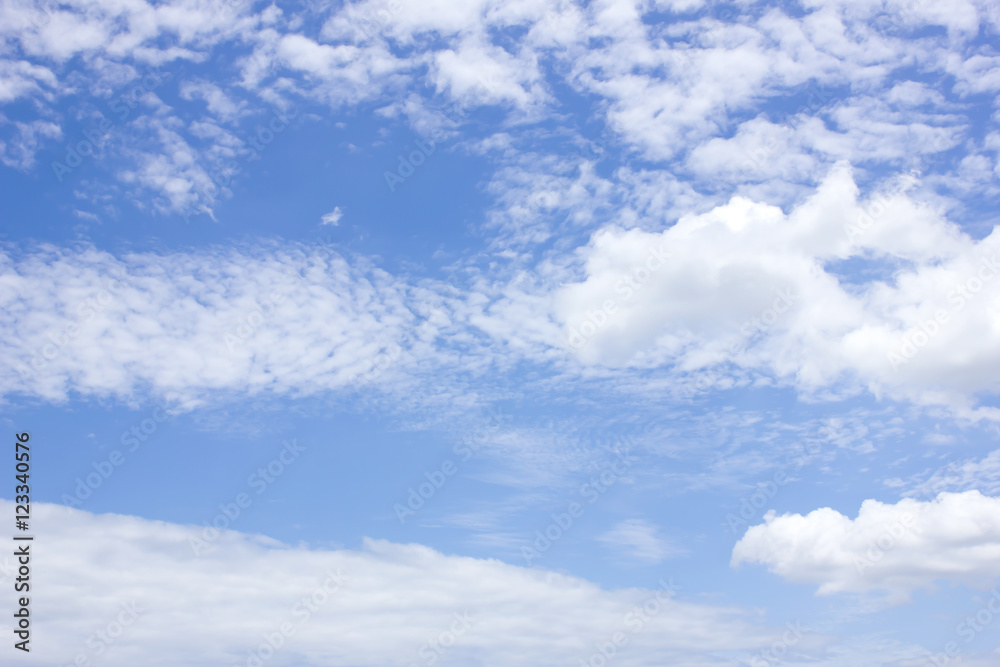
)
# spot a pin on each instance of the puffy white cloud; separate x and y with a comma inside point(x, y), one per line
point(680, 88)
point(393, 605)
point(744, 287)
point(748, 284)
point(893, 549)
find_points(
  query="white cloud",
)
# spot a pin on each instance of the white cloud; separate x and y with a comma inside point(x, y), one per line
point(19, 78)
point(744, 287)
point(394, 599)
point(982, 474)
point(216, 99)
point(185, 326)
point(893, 549)
point(640, 540)
point(665, 88)
point(333, 217)
point(718, 297)
point(20, 153)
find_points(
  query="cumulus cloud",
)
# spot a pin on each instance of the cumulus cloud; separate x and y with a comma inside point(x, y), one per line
point(744, 289)
point(892, 549)
point(384, 604)
point(919, 325)
point(750, 285)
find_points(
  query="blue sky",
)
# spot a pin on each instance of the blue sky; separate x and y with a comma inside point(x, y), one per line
point(540, 313)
